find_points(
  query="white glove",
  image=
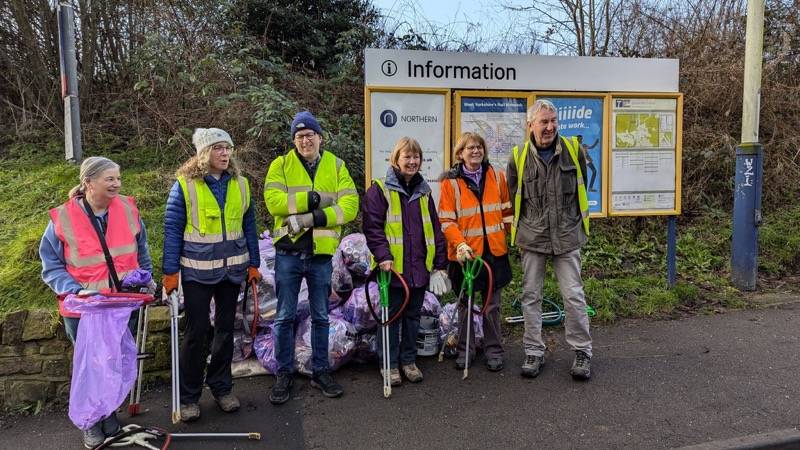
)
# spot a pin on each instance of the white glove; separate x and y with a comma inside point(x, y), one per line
point(464, 252)
point(299, 222)
point(439, 284)
point(386, 265)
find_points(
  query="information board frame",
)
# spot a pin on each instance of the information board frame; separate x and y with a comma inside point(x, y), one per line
point(676, 210)
point(368, 132)
point(604, 139)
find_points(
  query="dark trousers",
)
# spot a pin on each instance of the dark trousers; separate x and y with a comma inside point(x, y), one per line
point(197, 301)
point(403, 348)
point(492, 335)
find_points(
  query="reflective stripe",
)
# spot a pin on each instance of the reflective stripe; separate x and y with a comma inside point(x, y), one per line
point(210, 238)
point(202, 265)
point(446, 225)
point(348, 191)
point(244, 196)
point(275, 185)
point(296, 189)
point(472, 232)
point(505, 205)
point(292, 204)
point(508, 219)
point(238, 259)
point(447, 215)
point(395, 239)
point(339, 213)
point(132, 223)
point(322, 232)
point(192, 188)
point(457, 195)
point(95, 285)
point(68, 229)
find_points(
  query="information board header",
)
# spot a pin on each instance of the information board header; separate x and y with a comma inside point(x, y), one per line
point(416, 68)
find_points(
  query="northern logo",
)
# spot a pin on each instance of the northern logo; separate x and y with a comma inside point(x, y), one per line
point(388, 118)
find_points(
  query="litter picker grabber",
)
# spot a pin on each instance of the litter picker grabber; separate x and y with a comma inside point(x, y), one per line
point(253, 286)
point(471, 269)
point(173, 302)
point(383, 279)
point(137, 435)
point(141, 345)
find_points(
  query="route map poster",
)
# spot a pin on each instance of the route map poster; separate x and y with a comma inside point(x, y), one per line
point(500, 121)
point(643, 175)
point(582, 117)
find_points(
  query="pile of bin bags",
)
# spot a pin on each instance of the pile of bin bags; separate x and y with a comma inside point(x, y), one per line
point(352, 326)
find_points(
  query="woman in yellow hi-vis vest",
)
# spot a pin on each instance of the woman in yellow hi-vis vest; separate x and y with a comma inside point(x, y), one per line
point(403, 232)
point(210, 237)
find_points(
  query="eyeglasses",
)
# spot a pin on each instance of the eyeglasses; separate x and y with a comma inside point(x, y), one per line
point(474, 147)
point(221, 148)
point(307, 136)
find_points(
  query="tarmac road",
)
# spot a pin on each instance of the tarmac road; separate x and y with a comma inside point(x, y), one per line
point(655, 384)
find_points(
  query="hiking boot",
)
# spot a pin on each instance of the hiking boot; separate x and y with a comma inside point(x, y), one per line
point(532, 366)
point(227, 402)
point(94, 436)
point(281, 390)
point(494, 364)
point(190, 412)
point(581, 368)
point(110, 425)
point(394, 377)
point(324, 382)
point(412, 373)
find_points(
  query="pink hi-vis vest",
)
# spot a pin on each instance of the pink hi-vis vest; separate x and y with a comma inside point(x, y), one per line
point(83, 252)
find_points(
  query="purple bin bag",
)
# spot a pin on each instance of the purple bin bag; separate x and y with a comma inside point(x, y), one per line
point(357, 312)
point(104, 359)
point(341, 344)
point(264, 347)
point(137, 277)
point(430, 305)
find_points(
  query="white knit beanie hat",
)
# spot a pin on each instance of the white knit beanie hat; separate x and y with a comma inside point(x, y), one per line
point(205, 137)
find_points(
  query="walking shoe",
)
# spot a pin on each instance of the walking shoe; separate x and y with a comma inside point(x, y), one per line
point(494, 364)
point(282, 389)
point(394, 377)
point(190, 412)
point(461, 360)
point(532, 366)
point(227, 402)
point(111, 425)
point(94, 436)
point(324, 382)
point(581, 369)
point(412, 373)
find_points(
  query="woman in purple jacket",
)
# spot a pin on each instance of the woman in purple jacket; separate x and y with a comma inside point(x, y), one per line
point(418, 250)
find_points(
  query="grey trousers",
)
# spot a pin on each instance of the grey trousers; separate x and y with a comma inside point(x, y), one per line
point(567, 268)
point(492, 345)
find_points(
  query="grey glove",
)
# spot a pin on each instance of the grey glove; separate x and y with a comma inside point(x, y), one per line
point(326, 200)
point(299, 222)
point(88, 292)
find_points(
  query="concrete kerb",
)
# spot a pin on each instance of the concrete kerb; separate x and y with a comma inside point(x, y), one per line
point(786, 439)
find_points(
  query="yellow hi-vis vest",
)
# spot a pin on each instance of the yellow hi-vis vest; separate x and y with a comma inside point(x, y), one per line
point(394, 227)
point(583, 199)
point(286, 191)
point(213, 240)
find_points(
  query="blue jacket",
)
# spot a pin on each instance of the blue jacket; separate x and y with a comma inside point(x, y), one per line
point(54, 266)
point(175, 224)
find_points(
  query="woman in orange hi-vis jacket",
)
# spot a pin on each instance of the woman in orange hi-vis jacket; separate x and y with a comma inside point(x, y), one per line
point(476, 214)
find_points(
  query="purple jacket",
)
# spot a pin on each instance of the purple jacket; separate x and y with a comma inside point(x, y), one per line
point(374, 219)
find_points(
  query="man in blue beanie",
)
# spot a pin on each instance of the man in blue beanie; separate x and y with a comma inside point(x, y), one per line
point(310, 194)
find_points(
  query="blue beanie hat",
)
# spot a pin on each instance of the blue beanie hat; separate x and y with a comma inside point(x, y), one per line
point(305, 120)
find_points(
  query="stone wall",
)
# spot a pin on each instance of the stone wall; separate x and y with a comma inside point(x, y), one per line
point(36, 357)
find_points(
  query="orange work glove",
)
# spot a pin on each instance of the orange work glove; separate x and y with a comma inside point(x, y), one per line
point(170, 282)
point(253, 274)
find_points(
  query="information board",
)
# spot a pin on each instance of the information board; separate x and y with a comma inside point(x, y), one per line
point(583, 117)
point(645, 156)
point(498, 117)
point(420, 114)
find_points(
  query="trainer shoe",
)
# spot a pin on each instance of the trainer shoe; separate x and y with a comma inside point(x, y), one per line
point(94, 436)
point(494, 364)
point(282, 389)
point(461, 360)
point(111, 425)
point(324, 382)
point(581, 368)
point(412, 373)
point(190, 412)
point(227, 402)
point(394, 377)
point(532, 366)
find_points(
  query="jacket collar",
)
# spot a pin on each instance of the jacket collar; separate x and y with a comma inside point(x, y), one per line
point(394, 184)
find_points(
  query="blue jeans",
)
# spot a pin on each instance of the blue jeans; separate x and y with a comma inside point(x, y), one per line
point(289, 272)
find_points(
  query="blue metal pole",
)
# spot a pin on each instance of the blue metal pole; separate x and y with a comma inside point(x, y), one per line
point(746, 215)
point(671, 247)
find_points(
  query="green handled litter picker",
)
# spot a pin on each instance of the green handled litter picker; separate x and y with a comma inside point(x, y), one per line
point(384, 278)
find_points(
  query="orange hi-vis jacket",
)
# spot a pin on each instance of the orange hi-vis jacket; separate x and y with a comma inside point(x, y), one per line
point(465, 218)
point(83, 253)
